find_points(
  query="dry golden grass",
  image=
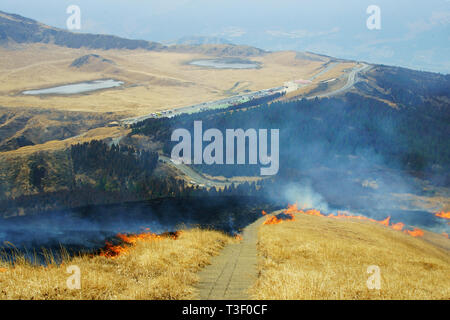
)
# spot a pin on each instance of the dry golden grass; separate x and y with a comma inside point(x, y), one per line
point(162, 269)
point(154, 80)
point(336, 71)
point(322, 258)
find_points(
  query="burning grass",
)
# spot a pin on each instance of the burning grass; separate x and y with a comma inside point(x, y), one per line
point(154, 267)
point(293, 209)
point(443, 215)
point(314, 257)
point(129, 241)
point(279, 218)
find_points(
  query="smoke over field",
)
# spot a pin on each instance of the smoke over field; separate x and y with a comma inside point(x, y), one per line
point(87, 229)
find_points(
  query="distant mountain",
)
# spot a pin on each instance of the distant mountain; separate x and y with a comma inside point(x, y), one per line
point(17, 29)
point(219, 50)
point(200, 40)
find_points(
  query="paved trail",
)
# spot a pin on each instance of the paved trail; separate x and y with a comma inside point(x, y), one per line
point(232, 272)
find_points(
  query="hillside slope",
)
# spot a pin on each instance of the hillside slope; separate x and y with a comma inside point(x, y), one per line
point(23, 30)
point(21, 127)
point(17, 29)
point(322, 258)
point(155, 267)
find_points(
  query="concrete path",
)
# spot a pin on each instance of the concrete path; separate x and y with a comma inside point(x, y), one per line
point(231, 273)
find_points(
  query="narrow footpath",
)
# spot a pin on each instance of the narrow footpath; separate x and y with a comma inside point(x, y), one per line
point(231, 273)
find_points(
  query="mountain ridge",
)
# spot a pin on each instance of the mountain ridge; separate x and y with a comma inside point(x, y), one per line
point(18, 29)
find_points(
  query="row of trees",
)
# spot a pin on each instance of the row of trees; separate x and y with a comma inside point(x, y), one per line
point(103, 174)
point(314, 132)
point(116, 160)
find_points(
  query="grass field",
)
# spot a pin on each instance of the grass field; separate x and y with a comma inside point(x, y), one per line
point(152, 269)
point(153, 80)
point(309, 258)
point(322, 258)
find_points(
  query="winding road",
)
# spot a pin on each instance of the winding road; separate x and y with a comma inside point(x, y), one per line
point(198, 179)
point(195, 177)
point(352, 77)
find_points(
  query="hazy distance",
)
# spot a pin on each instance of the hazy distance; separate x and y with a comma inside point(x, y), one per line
point(413, 34)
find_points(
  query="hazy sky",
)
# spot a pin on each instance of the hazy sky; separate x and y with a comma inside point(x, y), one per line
point(413, 33)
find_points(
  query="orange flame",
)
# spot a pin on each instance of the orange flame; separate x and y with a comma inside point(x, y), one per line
point(398, 226)
point(445, 234)
point(312, 212)
point(293, 209)
point(444, 215)
point(385, 222)
point(415, 233)
point(238, 237)
point(264, 213)
point(112, 251)
point(276, 220)
point(272, 220)
point(3, 270)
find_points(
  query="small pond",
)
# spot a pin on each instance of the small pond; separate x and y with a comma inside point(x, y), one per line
point(76, 88)
point(226, 63)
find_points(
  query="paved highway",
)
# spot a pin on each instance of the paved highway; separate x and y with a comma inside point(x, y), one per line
point(235, 99)
point(352, 77)
point(198, 179)
point(195, 177)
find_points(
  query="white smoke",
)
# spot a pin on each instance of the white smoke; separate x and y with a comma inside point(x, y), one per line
point(305, 196)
